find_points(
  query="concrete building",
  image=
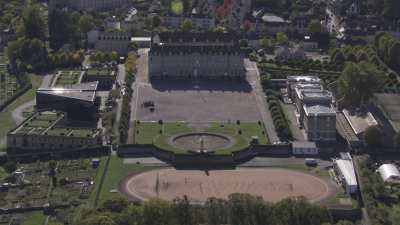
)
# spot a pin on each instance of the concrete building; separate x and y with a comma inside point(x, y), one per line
point(304, 148)
point(78, 101)
point(50, 130)
point(89, 5)
point(112, 41)
point(195, 55)
point(104, 76)
point(314, 106)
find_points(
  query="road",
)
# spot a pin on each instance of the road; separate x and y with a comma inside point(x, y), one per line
point(254, 78)
point(141, 79)
point(121, 79)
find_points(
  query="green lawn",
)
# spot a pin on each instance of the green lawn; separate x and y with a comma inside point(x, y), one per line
point(149, 133)
point(34, 218)
point(177, 7)
point(5, 116)
point(117, 170)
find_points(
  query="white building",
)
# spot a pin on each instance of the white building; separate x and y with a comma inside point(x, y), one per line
point(304, 148)
point(389, 173)
point(345, 169)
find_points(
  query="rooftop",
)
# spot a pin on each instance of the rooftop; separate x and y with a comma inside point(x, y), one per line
point(347, 170)
point(270, 18)
point(319, 110)
point(171, 37)
point(49, 123)
point(82, 91)
point(359, 121)
point(304, 79)
point(389, 103)
point(100, 72)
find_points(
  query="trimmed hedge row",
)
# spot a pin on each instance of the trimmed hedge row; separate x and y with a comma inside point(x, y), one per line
point(279, 118)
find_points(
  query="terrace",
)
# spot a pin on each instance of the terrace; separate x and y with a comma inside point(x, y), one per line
point(68, 77)
point(100, 72)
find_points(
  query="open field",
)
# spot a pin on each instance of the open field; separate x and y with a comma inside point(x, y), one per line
point(270, 183)
point(115, 172)
point(160, 135)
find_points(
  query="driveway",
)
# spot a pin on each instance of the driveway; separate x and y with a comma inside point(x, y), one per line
point(254, 78)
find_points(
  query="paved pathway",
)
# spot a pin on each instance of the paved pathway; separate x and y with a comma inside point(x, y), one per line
point(141, 79)
point(254, 79)
point(121, 79)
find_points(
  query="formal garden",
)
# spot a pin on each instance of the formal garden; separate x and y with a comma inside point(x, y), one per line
point(217, 137)
point(68, 77)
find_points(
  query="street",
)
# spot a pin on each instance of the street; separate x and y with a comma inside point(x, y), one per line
point(254, 79)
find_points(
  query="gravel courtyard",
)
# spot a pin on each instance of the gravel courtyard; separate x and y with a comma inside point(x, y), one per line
point(206, 101)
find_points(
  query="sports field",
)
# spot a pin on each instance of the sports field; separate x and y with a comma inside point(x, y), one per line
point(272, 184)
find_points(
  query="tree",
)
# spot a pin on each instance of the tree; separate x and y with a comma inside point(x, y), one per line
point(156, 21)
point(33, 23)
point(372, 136)
point(397, 140)
point(391, 9)
point(314, 27)
point(183, 211)
point(215, 210)
point(281, 38)
point(86, 23)
point(395, 215)
point(359, 82)
point(10, 166)
point(115, 205)
point(243, 43)
point(337, 56)
point(267, 44)
point(187, 25)
point(157, 212)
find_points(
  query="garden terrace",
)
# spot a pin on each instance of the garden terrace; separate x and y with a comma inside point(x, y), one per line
point(100, 72)
point(68, 77)
point(49, 123)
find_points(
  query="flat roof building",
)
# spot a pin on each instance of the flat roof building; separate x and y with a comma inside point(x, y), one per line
point(78, 100)
point(50, 130)
point(345, 169)
point(389, 173)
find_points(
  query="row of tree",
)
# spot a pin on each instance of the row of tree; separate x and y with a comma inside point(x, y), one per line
point(358, 83)
point(239, 209)
point(388, 49)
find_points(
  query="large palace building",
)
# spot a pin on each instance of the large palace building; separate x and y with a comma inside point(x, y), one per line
point(195, 56)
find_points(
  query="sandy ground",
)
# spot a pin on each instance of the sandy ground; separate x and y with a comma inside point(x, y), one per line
point(270, 183)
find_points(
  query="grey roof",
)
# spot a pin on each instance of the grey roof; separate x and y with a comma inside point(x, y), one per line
point(359, 122)
point(346, 168)
point(318, 110)
point(389, 172)
point(82, 91)
point(270, 18)
point(304, 144)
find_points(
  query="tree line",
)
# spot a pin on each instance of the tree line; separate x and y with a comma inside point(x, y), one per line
point(238, 209)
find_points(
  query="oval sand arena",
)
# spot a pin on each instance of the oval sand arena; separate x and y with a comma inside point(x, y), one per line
point(270, 183)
